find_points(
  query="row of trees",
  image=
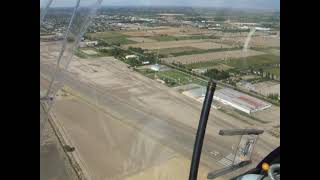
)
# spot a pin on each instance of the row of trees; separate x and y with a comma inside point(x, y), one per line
point(104, 43)
point(121, 53)
point(142, 57)
point(136, 49)
point(266, 75)
point(151, 57)
point(274, 96)
point(216, 74)
point(116, 52)
point(132, 61)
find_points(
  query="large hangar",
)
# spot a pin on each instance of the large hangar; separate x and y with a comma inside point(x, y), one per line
point(236, 99)
point(240, 100)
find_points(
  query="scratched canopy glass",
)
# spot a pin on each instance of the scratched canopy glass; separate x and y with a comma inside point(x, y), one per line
point(128, 80)
point(62, 24)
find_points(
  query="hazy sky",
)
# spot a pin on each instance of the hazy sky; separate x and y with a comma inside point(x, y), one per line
point(256, 4)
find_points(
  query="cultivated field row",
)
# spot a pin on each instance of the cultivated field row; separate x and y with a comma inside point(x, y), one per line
point(200, 44)
point(187, 59)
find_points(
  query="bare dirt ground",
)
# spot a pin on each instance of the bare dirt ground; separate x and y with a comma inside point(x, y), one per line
point(123, 124)
point(123, 145)
point(53, 163)
point(271, 114)
point(200, 44)
point(169, 169)
point(186, 59)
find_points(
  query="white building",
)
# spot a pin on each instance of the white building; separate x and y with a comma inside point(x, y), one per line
point(262, 29)
point(88, 43)
point(131, 56)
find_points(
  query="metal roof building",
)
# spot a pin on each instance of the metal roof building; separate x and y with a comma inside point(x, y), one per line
point(131, 56)
point(240, 101)
point(236, 99)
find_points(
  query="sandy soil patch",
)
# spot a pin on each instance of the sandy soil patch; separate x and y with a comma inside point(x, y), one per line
point(168, 171)
point(90, 52)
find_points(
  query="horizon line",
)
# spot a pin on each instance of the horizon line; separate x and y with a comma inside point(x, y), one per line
point(185, 6)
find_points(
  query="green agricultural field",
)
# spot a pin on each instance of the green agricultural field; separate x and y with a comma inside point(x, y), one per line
point(145, 71)
point(172, 77)
point(168, 51)
point(269, 50)
point(111, 37)
point(275, 71)
point(208, 65)
point(178, 78)
point(200, 51)
point(255, 62)
point(201, 65)
point(82, 53)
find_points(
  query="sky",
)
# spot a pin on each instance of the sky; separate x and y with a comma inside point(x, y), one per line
point(252, 4)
